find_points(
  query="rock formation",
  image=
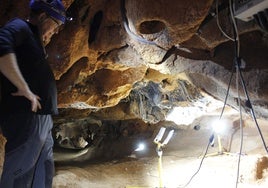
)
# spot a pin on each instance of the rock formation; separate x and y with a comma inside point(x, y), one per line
point(125, 61)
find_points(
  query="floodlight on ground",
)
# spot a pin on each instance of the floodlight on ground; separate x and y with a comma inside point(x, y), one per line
point(159, 150)
point(219, 127)
point(160, 134)
point(170, 134)
point(140, 147)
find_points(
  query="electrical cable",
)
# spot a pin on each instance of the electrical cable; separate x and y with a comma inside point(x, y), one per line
point(129, 32)
point(236, 34)
point(241, 142)
point(248, 103)
point(218, 22)
point(211, 139)
point(238, 64)
point(189, 181)
point(227, 92)
point(241, 128)
point(231, 77)
point(237, 54)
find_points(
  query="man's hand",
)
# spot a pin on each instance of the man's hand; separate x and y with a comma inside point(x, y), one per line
point(10, 69)
point(32, 97)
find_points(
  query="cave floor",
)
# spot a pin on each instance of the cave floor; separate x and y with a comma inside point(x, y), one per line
point(217, 172)
point(180, 161)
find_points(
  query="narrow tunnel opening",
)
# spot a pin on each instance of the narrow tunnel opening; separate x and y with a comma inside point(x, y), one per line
point(94, 26)
point(151, 27)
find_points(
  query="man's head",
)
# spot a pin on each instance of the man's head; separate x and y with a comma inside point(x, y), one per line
point(49, 16)
point(53, 8)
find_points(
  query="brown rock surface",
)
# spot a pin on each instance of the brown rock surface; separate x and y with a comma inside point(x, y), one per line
point(137, 62)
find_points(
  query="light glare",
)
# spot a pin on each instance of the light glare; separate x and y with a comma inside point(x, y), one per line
point(141, 147)
point(219, 126)
point(184, 115)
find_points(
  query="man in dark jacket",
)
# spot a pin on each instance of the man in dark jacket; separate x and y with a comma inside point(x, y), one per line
point(28, 96)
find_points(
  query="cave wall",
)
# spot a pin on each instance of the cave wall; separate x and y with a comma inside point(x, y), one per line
point(124, 60)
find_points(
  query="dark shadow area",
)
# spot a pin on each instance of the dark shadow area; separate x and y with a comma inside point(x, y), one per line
point(94, 27)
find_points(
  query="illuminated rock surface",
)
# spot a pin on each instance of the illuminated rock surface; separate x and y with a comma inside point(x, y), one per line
point(121, 71)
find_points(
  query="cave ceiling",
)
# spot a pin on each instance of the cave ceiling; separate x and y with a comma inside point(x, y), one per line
point(123, 59)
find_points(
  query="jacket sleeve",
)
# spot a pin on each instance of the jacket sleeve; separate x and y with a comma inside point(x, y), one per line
point(12, 35)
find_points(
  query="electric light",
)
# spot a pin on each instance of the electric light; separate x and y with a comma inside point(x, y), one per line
point(58, 56)
point(140, 147)
point(159, 150)
point(220, 126)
